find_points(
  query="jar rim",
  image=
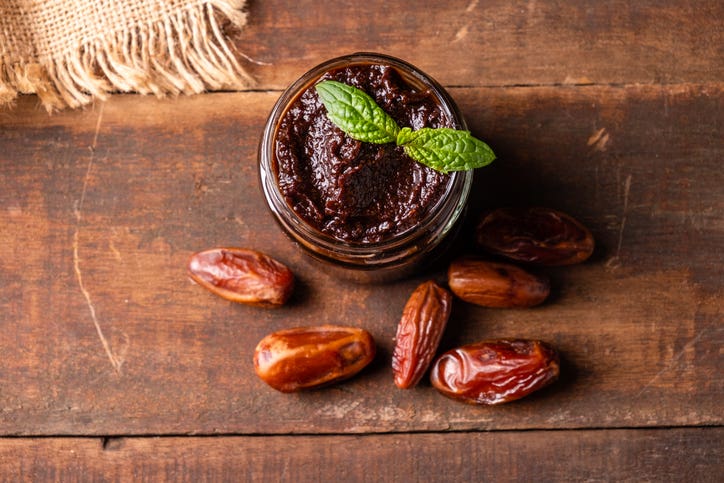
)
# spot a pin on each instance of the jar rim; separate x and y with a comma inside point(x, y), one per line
point(458, 180)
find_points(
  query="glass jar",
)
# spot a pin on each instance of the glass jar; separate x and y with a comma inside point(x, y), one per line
point(390, 258)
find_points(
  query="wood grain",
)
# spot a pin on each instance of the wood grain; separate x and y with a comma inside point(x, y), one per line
point(686, 454)
point(495, 43)
point(116, 367)
point(102, 333)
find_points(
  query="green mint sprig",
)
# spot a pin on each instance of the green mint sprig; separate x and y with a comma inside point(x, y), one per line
point(442, 149)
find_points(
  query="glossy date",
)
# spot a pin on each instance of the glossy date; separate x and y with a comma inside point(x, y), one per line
point(492, 284)
point(495, 372)
point(242, 275)
point(418, 334)
point(309, 357)
point(534, 235)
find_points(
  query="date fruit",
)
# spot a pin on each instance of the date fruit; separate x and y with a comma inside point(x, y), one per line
point(492, 284)
point(418, 334)
point(242, 275)
point(309, 357)
point(495, 372)
point(534, 235)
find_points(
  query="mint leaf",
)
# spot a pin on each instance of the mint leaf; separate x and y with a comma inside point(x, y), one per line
point(359, 116)
point(356, 113)
point(445, 149)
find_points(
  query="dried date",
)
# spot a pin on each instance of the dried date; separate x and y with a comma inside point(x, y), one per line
point(309, 357)
point(418, 334)
point(492, 284)
point(495, 372)
point(534, 235)
point(242, 275)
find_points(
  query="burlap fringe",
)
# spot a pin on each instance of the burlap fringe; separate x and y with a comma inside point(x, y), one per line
point(185, 54)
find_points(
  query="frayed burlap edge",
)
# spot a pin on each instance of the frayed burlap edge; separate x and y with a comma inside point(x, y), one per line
point(186, 53)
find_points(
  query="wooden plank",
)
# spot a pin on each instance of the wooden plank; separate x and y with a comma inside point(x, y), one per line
point(614, 455)
point(103, 334)
point(495, 43)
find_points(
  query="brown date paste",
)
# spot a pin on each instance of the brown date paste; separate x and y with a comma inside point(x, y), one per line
point(351, 190)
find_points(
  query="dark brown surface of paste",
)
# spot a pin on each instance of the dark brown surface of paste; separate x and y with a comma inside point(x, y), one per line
point(351, 190)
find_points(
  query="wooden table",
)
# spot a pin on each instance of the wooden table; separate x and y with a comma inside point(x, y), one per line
point(115, 366)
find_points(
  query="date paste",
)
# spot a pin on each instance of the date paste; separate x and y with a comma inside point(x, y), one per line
point(351, 190)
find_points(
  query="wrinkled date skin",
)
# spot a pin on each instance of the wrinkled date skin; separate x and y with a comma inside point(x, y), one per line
point(495, 372)
point(418, 334)
point(535, 235)
point(242, 275)
point(310, 357)
point(492, 284)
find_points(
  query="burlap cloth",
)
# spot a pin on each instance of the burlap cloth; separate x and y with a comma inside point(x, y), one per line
point(69, 52)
